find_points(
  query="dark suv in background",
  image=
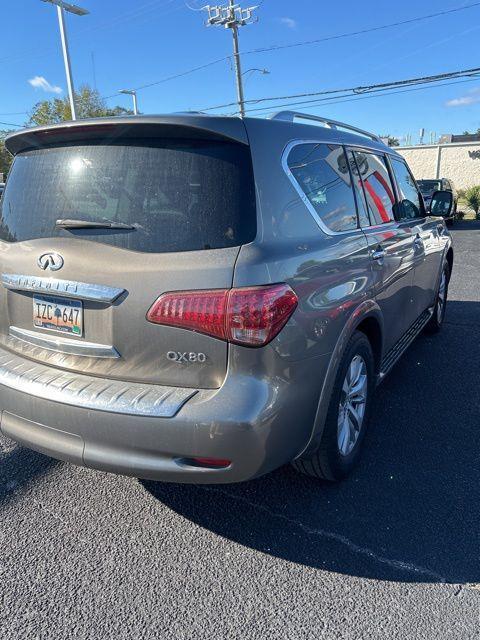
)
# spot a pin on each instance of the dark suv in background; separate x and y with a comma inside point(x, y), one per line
point(203, 299)
point(429, 187)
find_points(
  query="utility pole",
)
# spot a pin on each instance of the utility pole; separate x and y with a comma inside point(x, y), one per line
point(232, 16)
point(79, 11)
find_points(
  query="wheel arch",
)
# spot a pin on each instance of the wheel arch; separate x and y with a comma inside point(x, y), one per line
point(372, 328)
point(368, 319)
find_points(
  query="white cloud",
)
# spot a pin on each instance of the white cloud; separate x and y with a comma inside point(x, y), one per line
point(289, 22)
point(39, 82)
point(472, 97)
point(462, 102)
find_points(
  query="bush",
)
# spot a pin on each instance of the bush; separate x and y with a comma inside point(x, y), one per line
point(472, 199)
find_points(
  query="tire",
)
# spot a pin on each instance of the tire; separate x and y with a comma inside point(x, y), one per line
point(436, 321)
point(454, 217)
point(329, 461)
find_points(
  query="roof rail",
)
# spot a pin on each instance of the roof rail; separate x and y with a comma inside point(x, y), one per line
point(289, 116)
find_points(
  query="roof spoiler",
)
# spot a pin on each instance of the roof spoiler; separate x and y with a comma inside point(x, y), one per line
point(109, 130)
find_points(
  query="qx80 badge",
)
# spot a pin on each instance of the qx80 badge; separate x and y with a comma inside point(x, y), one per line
point(186, 357)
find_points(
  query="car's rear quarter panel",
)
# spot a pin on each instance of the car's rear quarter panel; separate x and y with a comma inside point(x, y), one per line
point(330, 274)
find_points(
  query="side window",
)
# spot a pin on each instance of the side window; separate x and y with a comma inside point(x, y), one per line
point(378, 187)
point(363, 216)
point(323, 175)
point(411, 203)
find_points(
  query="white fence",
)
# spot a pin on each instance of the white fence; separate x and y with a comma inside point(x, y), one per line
point(458, 161)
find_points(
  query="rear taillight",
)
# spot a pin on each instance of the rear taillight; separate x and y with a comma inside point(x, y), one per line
point(256, 314)
point(251, 316)
point(202, 311)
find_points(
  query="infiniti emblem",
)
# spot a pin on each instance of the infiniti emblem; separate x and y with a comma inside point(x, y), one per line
point(52, 261)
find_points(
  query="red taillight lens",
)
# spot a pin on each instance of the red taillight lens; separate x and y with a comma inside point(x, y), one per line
point(202, 311)
point(251, 316)
point(255, 315)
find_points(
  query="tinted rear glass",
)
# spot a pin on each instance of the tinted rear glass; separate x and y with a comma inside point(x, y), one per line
point(180, 196)
point(322, 173)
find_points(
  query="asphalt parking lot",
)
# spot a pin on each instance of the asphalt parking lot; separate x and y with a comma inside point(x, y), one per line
point(394, 552)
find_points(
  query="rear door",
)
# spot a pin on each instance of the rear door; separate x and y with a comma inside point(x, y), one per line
point(390, 243)
point(76, 296)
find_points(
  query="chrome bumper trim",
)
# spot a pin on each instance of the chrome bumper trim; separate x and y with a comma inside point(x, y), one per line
point(67, 288)
point(88, 392)
point(64, 345)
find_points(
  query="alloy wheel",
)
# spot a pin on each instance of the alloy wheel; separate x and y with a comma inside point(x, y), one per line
point(353, 401)
point(442, 297)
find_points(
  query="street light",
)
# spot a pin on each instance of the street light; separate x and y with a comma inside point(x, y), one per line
point(264, 72)
point(133, 93)
point(78, 11)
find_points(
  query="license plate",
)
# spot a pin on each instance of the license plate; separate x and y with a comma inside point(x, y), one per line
point(58, 314)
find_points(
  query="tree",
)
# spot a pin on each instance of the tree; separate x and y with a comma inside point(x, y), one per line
point(88, 102)
point(5, 157)
point(392, 141)
point(472, 198)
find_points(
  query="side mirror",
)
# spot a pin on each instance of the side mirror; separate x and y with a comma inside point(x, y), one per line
point(441, 204)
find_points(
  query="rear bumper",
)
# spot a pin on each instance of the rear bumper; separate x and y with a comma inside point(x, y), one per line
point(259, 423)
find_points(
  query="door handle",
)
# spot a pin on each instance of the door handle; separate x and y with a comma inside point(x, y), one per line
point(418, 242)
point(378, 254)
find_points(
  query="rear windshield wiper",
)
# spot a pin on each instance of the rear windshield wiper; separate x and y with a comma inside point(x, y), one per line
point(67, 223)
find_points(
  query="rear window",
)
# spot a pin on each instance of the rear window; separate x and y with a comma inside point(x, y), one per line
point(179, 196)
point(322, 173)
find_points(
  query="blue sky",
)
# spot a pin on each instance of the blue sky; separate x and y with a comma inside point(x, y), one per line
point(136, 43)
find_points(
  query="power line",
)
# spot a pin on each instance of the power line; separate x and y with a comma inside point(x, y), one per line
point(339, 100)
point(361, 89)
point(191, 8)
point(362, 31)
point(181, 74)
point(306, 43)
point(12, 124)
point(177, 75)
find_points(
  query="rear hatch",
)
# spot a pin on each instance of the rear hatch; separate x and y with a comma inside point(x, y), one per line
point(180, 201)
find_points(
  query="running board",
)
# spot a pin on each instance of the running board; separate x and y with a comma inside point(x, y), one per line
point(399, 348)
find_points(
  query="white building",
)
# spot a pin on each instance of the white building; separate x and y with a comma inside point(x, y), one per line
point(457, 161)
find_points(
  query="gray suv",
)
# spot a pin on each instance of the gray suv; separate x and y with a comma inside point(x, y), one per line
point(203, 299)
point(429, 187)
